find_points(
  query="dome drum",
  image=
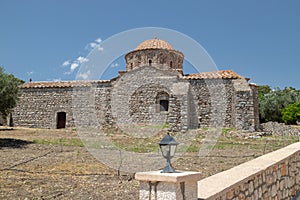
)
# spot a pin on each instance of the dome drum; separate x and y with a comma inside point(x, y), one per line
point(158, 54)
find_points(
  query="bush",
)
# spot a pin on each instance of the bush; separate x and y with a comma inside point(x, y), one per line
point(271, 102)
point(291, 113)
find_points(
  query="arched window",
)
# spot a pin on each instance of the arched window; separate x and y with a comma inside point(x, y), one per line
point(162, 100)
point(61, 120)
point(171, 64)
point(150, 62)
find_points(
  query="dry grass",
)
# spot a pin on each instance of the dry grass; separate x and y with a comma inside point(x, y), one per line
point(49, 164)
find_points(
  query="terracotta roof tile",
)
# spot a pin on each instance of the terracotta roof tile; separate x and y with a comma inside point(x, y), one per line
point(154, 44)
point(221, 74)
point(61, 84)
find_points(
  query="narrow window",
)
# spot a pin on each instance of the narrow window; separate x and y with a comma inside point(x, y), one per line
point(150, 62)
point(164, 105)
point(162, 101)
point(61, 120)
point(131, 66)
point(171, 64)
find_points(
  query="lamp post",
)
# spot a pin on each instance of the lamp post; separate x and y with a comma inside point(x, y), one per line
point(168, 147)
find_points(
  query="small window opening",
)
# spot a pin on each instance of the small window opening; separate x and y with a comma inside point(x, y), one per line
point(164, 105)
point(162, 100)
point(171, 63)
point(61, 120)
point(131, 66)
point(150, 62)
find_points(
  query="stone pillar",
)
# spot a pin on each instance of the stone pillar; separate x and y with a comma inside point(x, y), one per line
point(155, 185)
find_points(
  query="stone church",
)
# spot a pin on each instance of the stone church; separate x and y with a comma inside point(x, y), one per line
point(152, 90)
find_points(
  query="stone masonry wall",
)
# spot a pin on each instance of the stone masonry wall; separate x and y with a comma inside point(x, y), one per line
point(91, 106)
point(245, 115)
point(254, 89)
point(143, 105)
point(275, 128)
point(160, 58)
point(214, 102)
point(273, 176)
point(226, 103)
point(38, 107)
point(133, 99)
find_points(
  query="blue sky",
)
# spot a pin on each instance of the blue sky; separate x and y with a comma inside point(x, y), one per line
point(256, 39)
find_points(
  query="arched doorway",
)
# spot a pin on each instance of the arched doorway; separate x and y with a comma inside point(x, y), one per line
point(61, 120)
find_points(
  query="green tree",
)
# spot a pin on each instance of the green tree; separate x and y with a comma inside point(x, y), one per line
point(272, 103)
point(262, 90)
point(291, 113)
point(9, 92)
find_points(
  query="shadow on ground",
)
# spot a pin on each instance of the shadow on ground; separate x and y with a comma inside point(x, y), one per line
point(5, 128)
point(13, 143)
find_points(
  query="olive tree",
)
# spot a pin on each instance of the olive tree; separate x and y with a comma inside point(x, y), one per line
point(9, 92)
point(271, 102)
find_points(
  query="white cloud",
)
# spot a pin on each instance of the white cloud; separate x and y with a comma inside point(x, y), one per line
point(95, 45)
point(84, 75)
point(98, 40)
point(66, 63)
point(114, 65)
point(81, 60)
point(74, 66)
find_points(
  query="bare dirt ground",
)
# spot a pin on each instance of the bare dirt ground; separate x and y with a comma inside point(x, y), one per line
point(53, 164)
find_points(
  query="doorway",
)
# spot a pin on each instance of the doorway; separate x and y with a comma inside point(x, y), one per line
point(61, 120)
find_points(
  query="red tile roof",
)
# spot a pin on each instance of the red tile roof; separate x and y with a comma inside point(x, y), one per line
point(154, 44)
point(61, 84)
point(221, 74)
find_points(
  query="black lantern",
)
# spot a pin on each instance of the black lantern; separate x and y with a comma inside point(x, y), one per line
point(168, 147)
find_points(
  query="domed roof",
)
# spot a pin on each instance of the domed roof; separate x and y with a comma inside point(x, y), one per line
point(154, 44)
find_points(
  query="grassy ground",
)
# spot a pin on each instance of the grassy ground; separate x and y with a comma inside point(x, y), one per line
point(54, 164)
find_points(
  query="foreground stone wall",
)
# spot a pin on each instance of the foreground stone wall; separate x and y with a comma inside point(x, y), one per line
point(272, 176)
point(275, 128)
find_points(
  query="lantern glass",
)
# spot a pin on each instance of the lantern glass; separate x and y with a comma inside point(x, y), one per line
point(168, 151)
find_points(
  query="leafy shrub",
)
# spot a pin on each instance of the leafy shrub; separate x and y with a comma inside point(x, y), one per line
point(271, 102)
point(291, 113)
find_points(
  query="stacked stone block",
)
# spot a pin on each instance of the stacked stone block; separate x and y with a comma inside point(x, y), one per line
point(273, 176)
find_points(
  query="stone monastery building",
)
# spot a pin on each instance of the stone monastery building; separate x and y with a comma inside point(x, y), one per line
point(152, 90)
